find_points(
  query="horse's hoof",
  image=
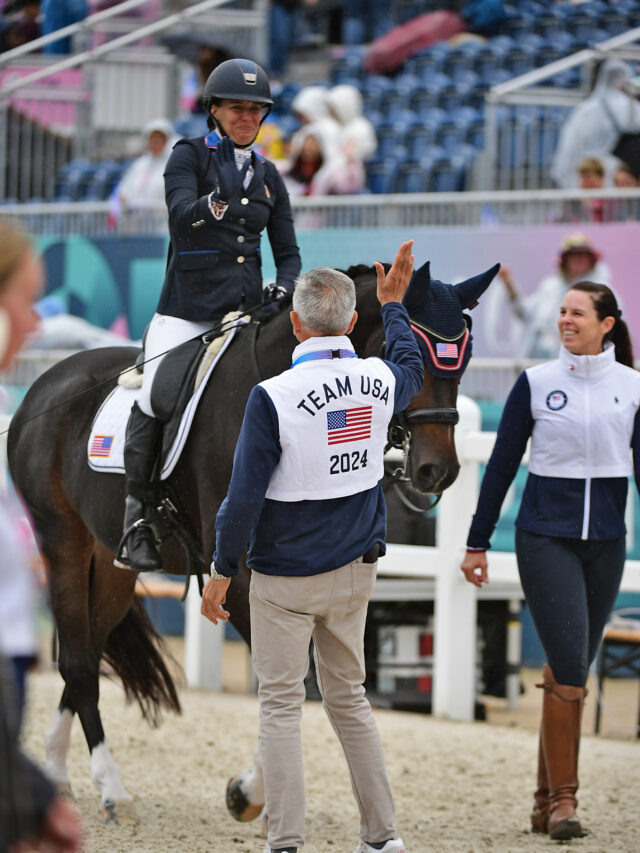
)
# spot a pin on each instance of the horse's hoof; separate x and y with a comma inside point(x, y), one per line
point(64, 791)
point(238, 803)
point(120, 813)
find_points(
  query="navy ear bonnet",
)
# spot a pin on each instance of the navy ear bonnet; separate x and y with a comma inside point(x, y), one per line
point(435, 309)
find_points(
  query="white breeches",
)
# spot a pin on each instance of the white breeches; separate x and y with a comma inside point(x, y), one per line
point(163, 334)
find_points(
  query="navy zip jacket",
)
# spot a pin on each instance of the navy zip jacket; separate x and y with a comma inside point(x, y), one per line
point(551, 506)
point(310, 536)
point(214, 264)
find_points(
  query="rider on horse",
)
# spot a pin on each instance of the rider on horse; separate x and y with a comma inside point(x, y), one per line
point(221, 195)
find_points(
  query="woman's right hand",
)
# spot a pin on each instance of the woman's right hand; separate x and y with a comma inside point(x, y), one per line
point(475, 567)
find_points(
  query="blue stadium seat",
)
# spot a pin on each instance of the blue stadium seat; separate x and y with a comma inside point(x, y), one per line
point(191, 126)
point(105, 176)
point(288, 124)
point(450, 135)
point(518, 60)
point(447, 176)
point(519, 25)
point(393, 104)
point(71, 180)
point(418, 140)
point(413, 177)
point(424, 100)
point(381, 175)
point(282, 102)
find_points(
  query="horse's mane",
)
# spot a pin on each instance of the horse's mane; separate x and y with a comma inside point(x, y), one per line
point(359, 270)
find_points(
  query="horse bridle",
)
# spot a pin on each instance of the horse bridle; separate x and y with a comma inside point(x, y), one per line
point(399, 431)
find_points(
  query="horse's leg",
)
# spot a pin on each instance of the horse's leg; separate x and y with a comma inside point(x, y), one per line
point(69, 549)
point(245, 792)
point(111, 594)
point(56, 743)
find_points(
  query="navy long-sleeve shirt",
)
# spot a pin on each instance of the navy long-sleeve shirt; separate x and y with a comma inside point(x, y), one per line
point(551, 506)
point(310, 536)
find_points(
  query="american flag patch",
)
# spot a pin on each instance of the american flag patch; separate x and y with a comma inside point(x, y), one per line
point(349, 425)
point(447, 350)
point(101, 445)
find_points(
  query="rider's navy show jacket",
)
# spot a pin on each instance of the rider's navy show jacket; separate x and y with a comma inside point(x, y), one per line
point(214, 262)
point(306, 537)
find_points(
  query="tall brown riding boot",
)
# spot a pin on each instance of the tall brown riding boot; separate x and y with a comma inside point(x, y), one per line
point(540, 811)
point(561, 718)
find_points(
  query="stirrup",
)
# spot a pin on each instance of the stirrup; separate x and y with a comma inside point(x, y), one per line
point(122, 559)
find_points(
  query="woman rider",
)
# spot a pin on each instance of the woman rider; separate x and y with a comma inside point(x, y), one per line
point(221, 195)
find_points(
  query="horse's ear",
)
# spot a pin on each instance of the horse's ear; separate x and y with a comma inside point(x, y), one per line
point(469, 291)
point(420, 281)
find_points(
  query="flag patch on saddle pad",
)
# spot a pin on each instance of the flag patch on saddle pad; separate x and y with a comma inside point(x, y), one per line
point(447, 350)
point(349, 425)
point(101, 445)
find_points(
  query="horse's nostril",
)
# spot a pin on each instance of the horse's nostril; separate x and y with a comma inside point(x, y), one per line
point(435, 478)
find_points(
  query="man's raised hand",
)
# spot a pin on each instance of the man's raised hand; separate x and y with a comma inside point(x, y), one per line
point(393, 285)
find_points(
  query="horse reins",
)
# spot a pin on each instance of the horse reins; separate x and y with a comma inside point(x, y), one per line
point(219, 329)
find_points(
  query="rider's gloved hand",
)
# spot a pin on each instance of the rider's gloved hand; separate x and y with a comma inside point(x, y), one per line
point(276, 293)
point(230, 177)
point(274, 299)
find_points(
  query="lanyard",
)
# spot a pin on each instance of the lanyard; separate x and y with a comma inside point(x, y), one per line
point(324, 354)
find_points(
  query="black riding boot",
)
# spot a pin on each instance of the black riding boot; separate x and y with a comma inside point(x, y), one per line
point(138, 549)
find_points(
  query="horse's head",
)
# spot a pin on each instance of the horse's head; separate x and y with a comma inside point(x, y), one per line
point(443, 331)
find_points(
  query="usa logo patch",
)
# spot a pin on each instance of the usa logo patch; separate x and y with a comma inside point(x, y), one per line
point(556, 400)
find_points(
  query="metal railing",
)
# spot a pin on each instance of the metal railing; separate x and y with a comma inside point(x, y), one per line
point(515, 156)
point(104, 89)
point(462, 209)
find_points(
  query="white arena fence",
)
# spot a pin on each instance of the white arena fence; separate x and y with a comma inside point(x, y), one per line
point(450, 210)
point(414, 572)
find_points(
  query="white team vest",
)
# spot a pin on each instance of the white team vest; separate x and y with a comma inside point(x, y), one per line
point(584, 409)
point(333, 416)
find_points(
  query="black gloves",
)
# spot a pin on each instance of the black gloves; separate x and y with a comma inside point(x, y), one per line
point(274, 299)
point(276, 293)
point(230, 177)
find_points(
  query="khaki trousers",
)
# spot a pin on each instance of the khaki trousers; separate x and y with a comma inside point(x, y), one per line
point(286, 613)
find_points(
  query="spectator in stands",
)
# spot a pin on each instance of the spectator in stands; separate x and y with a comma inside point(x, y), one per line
point(591, 176)
point(284, 16)
point(625, 178)
point(357, 133)
point(581, 413)
point(207, 57)
point(595, 125)
point(21, 25)
point(58, 14)
point(32, 815)
point(142, 185)
point(311, 109)
point(538, 311)
point(366, 20)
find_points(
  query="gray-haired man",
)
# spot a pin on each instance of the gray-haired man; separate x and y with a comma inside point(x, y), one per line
point(305, 491)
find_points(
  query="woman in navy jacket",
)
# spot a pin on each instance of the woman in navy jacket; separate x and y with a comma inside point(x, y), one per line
point(221, 196)
point(581, 412)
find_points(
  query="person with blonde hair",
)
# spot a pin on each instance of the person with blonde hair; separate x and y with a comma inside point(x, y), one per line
point(32, 815)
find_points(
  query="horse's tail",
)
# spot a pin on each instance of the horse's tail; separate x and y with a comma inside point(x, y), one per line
point(134, 650)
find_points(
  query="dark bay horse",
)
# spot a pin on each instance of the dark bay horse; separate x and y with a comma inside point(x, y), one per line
point(78, 513)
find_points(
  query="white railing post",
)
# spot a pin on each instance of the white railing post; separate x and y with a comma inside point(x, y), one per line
point(454, 661)
point(203, 645)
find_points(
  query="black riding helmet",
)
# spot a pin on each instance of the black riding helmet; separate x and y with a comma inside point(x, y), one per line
point(236, 80)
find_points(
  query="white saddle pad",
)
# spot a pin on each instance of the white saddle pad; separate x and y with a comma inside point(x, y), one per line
point(105, 448)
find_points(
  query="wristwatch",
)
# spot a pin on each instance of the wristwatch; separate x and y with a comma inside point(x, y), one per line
point(215, 574)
